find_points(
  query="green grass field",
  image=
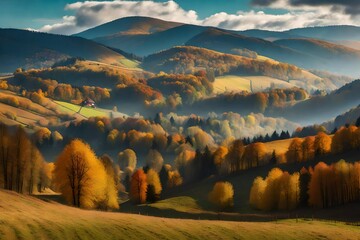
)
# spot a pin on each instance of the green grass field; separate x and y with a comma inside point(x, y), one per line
point(24, 217)
point(85, 111)
point(183, 204)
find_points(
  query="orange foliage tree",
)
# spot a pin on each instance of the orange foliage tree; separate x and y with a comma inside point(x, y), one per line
point(138, 187)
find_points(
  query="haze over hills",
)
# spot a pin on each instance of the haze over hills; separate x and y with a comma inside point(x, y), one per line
point(21, 48)
point(322, 108)
point(145, 44)
point(326, 33)
point(224, 41)
point(335, 57)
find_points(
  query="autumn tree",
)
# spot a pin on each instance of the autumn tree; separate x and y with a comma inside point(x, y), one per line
point(154, 160)
point(322, 144)
point(112, 181)
point(318, 193)
point(308, 148)
point(138, 187)
point(154, 187)
point(257, 193)
point(175, 179)
point(235, 155)
point(80, 176)
point(295, 151)
point(219, 158)
point(289, 191)
point(127, 158)
point(254, 155)
point(272, 190)
point(4, 155)
point(279, 190)
point(222, 195)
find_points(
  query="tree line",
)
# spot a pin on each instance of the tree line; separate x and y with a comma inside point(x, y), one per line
point(23, 168)
point(322, 186)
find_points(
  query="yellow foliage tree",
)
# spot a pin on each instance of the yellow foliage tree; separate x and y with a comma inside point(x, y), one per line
point(295, 151)
point(308, 148)
point(111, 189)
point(222, 195)
point(80, 176)
point(154, 185)
point(175, 179)
point(322, 144)
point(257, 193)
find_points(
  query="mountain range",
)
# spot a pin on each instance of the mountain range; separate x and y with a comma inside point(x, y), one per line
point(144, 36)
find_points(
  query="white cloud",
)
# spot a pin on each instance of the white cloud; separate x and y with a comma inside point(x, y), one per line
point(292, 19)
point(89, 14)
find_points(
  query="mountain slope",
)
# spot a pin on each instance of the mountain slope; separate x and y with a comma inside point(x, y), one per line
point(145, 44)
point(343, 59)
point(267, 35)
point(225, 41)
point(20, 48)
point(128, 26)
point(188, 59)
point(329, 33)
point(322, 108)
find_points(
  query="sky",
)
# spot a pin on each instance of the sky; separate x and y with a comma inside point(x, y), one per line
point(71, 16)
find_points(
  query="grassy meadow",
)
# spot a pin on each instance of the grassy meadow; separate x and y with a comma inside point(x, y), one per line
point(24, 217)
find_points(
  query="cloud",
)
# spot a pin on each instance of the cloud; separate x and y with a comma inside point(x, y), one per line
point(351, 7)
point(293, 19)
point(89, 14)
point(300, 13)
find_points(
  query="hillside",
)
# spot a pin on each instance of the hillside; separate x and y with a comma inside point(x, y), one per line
point(340, 33)
point(21, 48)
point(349, 117)
point(188, 59)
point(48, 220)
point(266, 34)
point(145, 44)
point(18, 110)
point(344, 59)
point(226, 41)
point(329, 33)
point(128, 26)
point(322, 108)
point(306, 57)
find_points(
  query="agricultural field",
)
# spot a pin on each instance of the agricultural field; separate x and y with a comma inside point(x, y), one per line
point(232, 83)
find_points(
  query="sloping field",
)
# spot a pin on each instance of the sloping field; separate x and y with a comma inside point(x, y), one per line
point(85, 111)
point(24, 217)
point(232, 83)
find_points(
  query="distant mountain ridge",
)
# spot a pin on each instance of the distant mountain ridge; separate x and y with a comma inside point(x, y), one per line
point(144, 36)
point(21, 48)
point(129, 26)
